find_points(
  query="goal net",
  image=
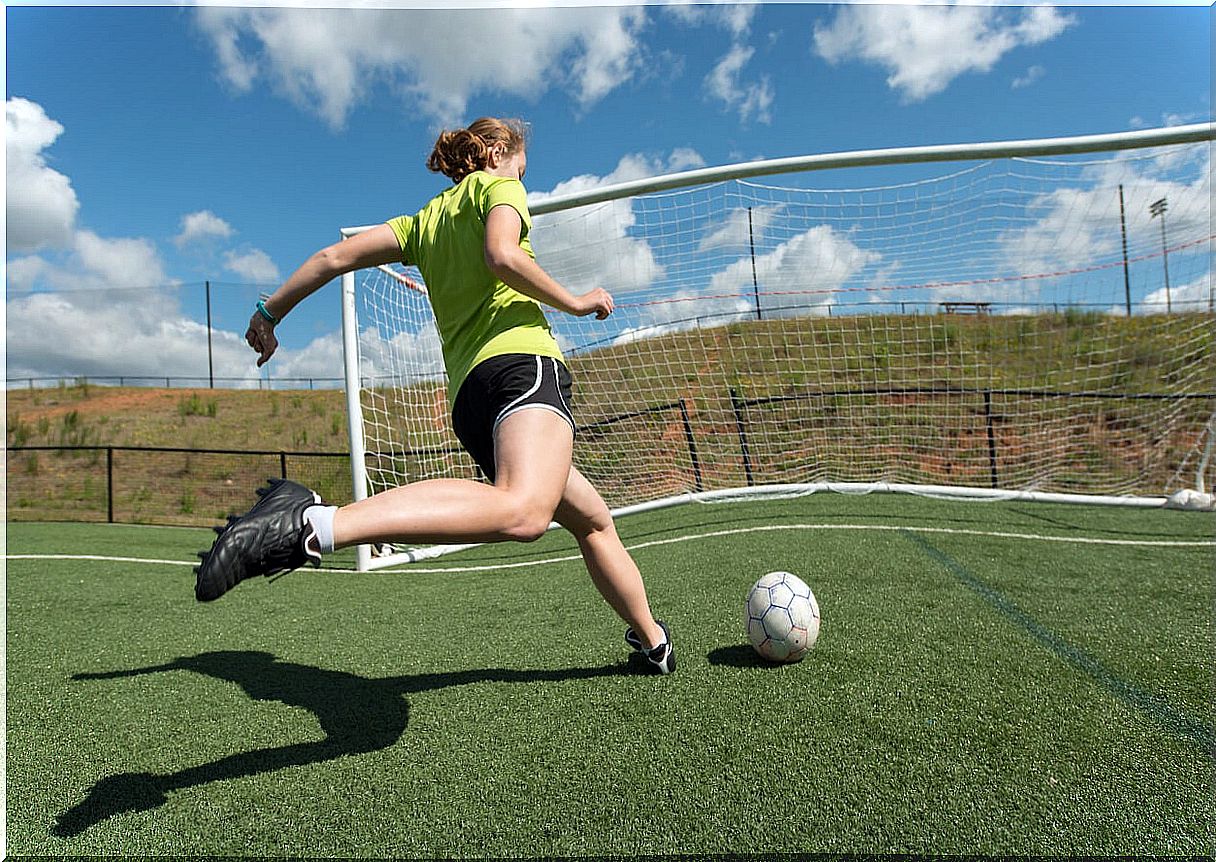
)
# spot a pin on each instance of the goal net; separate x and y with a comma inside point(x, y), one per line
point(1033, 325)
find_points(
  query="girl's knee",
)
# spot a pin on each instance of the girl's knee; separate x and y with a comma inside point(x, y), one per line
point(529, 523)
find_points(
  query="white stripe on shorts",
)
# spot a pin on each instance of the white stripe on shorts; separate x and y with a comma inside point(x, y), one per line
point(557, 380)
point(540, 376)
point(538, 406)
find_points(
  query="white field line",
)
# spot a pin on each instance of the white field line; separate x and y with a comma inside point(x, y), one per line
point(768, 528)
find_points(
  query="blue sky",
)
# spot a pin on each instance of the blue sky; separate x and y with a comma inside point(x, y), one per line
point(158, 146)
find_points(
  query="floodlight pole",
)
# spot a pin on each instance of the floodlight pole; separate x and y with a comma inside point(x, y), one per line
point(751, 241)
point(1157, 208)
point(1127, 281)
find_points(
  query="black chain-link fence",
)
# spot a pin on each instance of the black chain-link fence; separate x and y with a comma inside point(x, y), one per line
point(767, 439)
point(158, 485)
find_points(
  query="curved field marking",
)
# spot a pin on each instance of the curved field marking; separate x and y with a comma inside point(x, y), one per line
point(144, 560)
point(767, 528)
point(100, 558)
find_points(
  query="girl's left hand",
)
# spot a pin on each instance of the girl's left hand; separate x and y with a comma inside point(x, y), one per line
point(598, 302)
point(260, 336)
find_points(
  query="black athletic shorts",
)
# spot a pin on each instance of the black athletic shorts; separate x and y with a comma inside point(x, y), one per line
point(500, 386)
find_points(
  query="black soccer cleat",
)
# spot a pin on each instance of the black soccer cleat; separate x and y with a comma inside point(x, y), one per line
point(661, 659)
point(271, 537)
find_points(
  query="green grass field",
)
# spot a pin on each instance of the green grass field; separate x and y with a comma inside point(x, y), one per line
point(994, 679)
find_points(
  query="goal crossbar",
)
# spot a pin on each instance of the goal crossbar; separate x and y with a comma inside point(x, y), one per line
point(1078, 144)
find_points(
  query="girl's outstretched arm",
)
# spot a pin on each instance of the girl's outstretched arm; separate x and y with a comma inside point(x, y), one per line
point(370, 248)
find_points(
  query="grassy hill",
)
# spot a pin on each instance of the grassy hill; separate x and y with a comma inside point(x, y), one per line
point(166, 487)
point(84, 415)
point(857, 398)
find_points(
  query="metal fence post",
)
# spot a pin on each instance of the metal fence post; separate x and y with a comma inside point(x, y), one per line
point(210, 361)
point(991, 438)
point(738, 407)
point(110, 484)
point(692, 446)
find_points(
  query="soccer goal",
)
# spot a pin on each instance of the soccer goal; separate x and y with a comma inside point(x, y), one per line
point(1019, 319)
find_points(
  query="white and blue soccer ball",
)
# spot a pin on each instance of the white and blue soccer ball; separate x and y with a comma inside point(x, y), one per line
point(782, 617)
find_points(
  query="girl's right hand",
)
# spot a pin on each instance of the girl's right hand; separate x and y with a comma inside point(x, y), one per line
point(260, 336)
point(598, 302)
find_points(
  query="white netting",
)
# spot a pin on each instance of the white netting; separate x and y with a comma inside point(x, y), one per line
point(966, 329)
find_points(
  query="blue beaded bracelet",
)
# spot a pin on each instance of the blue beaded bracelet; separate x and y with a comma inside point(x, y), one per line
point(266, 314)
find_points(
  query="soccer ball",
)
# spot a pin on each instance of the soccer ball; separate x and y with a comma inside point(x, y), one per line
point(781, 617)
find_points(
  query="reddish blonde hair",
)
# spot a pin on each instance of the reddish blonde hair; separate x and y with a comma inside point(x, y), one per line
point(458, 153)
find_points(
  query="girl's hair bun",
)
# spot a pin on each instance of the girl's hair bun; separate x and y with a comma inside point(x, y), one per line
point(459, 153)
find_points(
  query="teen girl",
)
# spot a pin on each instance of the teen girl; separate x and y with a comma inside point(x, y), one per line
point(509, 393)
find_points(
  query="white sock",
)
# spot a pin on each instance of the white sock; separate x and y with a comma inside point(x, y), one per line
point(321, 518)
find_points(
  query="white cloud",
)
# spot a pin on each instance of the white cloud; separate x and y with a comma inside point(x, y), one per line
point(591, 246)
point(21, 273)
point(327, 61)
point(96, 265)
point(421, 352)
point(879, 287)
point(400, 341)
point(924, 48)
point(1195, 295)
point(405, 355)
point(254, 265)
point(609, 54)
point(634, 166)
point(202, 225)
point(42, 212)
point(1170, 118)
point(40, 204)
point(53, 334)
point(1040, 23)
point(1034, 73)
point(735, 18)
point(683, 311)
point(725, 84)
point(735, 232)
point(803, 274)
point(1079, 225)
point(115, 313)
point(119, 262)
point(116, 310)
point(725, 81)
point(1070, 227)
point(321, 359)
point(681, 159)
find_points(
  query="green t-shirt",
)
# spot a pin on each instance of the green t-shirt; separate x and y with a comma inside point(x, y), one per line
point(478, 316)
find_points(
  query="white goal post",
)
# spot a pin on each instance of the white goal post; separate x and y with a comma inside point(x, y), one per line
point(1036, 321)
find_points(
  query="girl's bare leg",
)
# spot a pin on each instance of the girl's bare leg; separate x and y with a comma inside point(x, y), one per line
point(532, 449)
point(583, 512)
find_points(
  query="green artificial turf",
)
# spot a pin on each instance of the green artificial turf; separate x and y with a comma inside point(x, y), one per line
point(968, 694)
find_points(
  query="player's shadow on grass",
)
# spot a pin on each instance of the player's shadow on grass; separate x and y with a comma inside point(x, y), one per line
point(358, 715)
point(738, 655)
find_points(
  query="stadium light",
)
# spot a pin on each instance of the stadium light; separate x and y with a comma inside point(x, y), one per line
point(1157, 208)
